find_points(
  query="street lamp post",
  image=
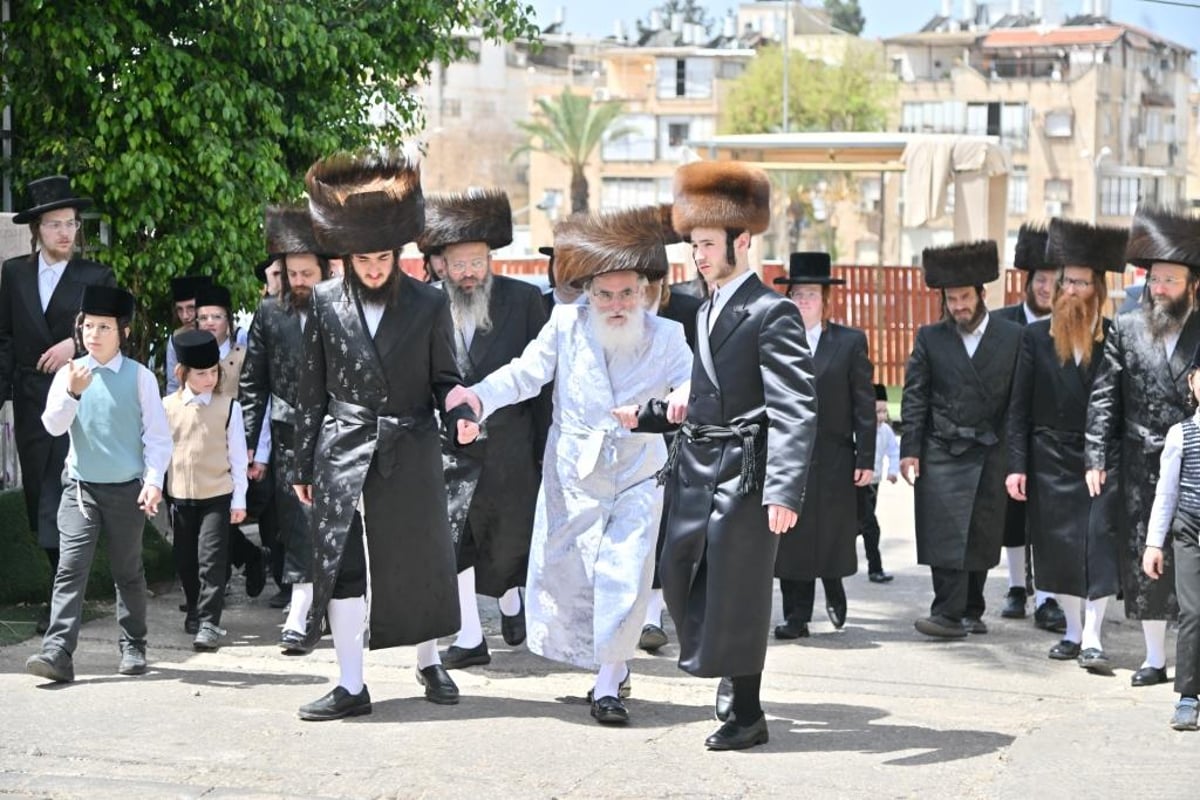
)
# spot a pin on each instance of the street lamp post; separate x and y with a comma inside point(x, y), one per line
point(787, 17)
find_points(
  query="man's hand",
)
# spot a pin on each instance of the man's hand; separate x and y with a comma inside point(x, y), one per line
point(79, 377)
point(1152, 562)
point(56, 356)
point(780, 519)
point(1015, 484)
point(893, 478)
point(627, 416)
point(256, 471)
point(910, 469)
point(862, 477)
point(304, 492)
point(460, 395)
point(237, 516)
point(149, 498)
point(1095, 481)
point(677, 402)
point(467, 431)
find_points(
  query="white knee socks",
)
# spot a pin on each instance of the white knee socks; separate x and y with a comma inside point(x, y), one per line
point(302, 599)
point(1093, 621)
point(427, 654)
point(608, 679)
point(1155, 632)
point(1016, 566)
point(654, 609)
point(347, 621)
point(1072, 607)
point(510, 602)
point(1040, 597)
point(471, 633)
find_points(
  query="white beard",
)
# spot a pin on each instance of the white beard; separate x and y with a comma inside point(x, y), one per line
point(471, 309)
point(618, 341)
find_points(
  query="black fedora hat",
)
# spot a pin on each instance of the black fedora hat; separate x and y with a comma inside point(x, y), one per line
point(47, 194)
point(185, 287)
point(213, 295)
point(881, 393)
point(107, 301)
point(810, 267)
point(196, 349)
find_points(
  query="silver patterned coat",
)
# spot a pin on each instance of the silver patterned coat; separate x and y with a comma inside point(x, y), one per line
point(592, 555)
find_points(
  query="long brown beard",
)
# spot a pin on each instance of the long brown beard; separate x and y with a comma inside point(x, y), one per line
point(1073, 327)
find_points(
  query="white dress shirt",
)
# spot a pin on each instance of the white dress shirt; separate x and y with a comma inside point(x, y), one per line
point(1166, 492)
point(373, 314)
point(720, 297)
point(262, 453)
point(813, 336)
point(886, 444)
point(971, 340)
point(156, 433)
point(48, 277)
point(1031, 316)
point(235, 440)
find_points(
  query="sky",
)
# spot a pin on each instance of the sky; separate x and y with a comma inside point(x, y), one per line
point(884, 17)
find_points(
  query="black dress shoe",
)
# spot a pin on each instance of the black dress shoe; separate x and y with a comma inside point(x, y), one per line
point(791, 630)
point(610, 711)
point(281, 598)
point(455, 657)
point(724, 704)
point(293, 643)
point(337, 704)
point(624, 688)
point(653, 637)
point(940, 627)
point(974, 625)
point(256, 573)
point(1065, 650)
point(52, 664)
point(879, 577)
point(836, 609)
point(191, 623)
point(732, 736)
point(1049, 616)
point(513, 628)
point(440, 688)
point(1014, 603)
point(1093, 660)
point(1149, 676)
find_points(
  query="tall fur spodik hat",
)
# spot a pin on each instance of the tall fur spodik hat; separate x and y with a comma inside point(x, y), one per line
point(289, 230)
point(721, 194)
point(365, 202)
point(587, 245)
point(963, 264)
point(478, 216)
point(1030, 252)
point(1161, 235)
point(1078, 244)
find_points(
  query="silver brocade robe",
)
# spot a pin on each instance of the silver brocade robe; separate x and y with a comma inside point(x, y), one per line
point(591, 559)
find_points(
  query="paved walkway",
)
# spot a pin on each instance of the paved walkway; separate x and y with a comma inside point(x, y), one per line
point(870, 711)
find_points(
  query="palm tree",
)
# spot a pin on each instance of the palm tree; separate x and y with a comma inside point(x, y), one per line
point(569, 129)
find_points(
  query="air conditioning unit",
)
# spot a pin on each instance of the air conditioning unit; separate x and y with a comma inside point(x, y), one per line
point(1054, 208)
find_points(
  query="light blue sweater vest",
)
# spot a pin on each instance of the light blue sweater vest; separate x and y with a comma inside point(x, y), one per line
point(106, 436)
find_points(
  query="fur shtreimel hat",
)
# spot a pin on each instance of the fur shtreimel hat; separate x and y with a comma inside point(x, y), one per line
point(721, 194)
point(366, 202)
point(1078, 244)
point(1159, 235)
point(964, 264)
point(587, 245)
point(480, 216)
point(289, 231)
point(1030, 252)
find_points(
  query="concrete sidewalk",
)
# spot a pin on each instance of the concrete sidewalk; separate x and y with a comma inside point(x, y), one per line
point(871, 711)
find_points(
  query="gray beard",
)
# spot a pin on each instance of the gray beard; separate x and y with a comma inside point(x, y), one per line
point(471, 308)
point(1166, 320)
point(619, 342)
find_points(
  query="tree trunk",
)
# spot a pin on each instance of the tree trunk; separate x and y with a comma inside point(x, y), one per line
point(579, 190)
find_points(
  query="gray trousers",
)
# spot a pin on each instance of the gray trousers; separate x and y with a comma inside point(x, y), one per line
point(1187, 589)
point(87, 509)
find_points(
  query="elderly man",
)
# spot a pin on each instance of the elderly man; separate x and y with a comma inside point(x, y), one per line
point(598, 512)
point(1140, 391)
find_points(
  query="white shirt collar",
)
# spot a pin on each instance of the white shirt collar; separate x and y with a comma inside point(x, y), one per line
point(1031, 315)
point(979, 329)
point(113, 365)
point(191, 397)
point(224, 347)
point(57, 267)
point(732, 285)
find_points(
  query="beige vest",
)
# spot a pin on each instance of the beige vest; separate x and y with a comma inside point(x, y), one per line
point(231, 371)
point(200, 461)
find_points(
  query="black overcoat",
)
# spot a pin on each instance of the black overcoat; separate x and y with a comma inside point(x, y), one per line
point(719, 555)
point(1016, 523)
point(1137, 396)
point(823, 543)
point(365, 427)
point(953, 414)
point(1074, 536)
point(25, 333)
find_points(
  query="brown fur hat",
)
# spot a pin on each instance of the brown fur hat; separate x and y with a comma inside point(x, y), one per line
point(1160, 235)
point(289, 229)
point(587, 245)
point(670, 235)
point(721, 194)
point(1030, 252)
point(481, 216)
point(963, 264)
point(366, 202)
point(1078, 244)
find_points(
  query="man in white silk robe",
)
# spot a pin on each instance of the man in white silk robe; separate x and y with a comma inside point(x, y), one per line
point(591, 559)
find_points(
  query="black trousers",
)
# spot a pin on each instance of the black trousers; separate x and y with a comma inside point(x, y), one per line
point(201, 547)
point(352, 574)
point(957, 593)
point(798, 597)
point(1187, 589)
point(868, 525)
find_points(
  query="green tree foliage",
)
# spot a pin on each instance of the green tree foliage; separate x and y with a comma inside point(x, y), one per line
point(182, 119)
point(846, 15)
point(569, 129)
point(854, 95)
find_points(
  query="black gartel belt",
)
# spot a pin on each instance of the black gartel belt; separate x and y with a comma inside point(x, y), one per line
point(1059, 435)
point(388, 429)
point(703, 434)
point(959, 439)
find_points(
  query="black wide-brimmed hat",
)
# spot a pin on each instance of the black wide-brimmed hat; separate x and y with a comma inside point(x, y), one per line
point(197, 349)
point(881, 393)
point(810, 267)
point(965, 264)
point(47, 194)
point(107, 301)
point(214, 295)
point(185, 288)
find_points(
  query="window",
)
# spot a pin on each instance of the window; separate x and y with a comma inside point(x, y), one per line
point(677, 134)
point(1018, 192)
point(618, 193)
point(636, 145)
point(685, 77)
point(1014, 125)
point(1119, 196)
point(1059, 123)
point(1058, 191)
point(673, 135)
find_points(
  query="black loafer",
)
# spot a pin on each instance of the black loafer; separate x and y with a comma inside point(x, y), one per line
point(191, 623)
point(1014, 603)
point(513, 628)
point(837, 612)
point(974, 625)
point(732, 736)
point(624, 688)
point(610, 711)
point(52, 664)
point(337, 704)
point(1049, 616)
point(879, 577)
point(455, 657)
point(940, 628)
point(293, 643)
point(791, 630)
point(1093, 660)
point(723, 706)
point(653, 637)
point(1149, 676)
point(1065, 650)
point(440, 688)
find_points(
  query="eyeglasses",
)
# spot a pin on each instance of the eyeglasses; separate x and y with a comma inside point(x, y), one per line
point(57, 225)
point(210, 318)
point(1075, 283)
point(805, 294)
point(459, 267)
point(97, 327)
point(1156, 280)
point(606, 297)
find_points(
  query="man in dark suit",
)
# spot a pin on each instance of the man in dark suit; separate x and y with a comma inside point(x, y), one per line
point(40, 295)
point(956, 394)
point(824, 542)
point(492, 483)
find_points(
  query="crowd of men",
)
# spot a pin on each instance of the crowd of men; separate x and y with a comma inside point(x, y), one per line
point(614, 448)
